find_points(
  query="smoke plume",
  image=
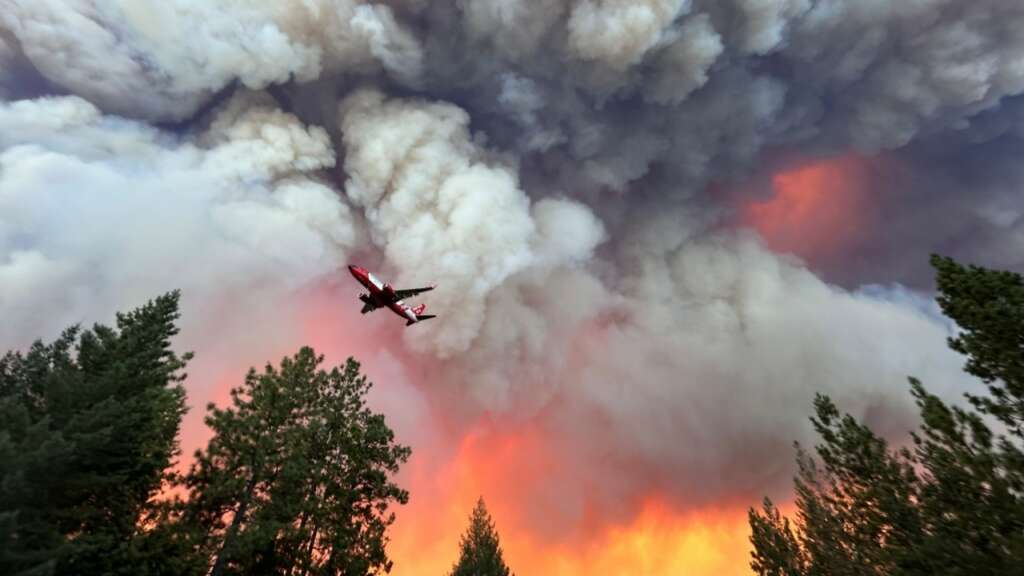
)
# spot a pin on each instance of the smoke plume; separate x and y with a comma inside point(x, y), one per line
point(657, 228)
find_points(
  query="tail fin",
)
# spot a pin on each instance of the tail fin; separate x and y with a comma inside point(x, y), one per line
point(418, 311)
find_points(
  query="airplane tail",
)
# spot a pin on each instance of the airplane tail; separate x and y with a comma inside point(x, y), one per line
point(418, 311)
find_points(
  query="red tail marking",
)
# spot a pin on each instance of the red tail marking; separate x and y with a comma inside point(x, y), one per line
point(419, 309)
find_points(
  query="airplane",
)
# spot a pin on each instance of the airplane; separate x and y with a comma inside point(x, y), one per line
point(382, 295)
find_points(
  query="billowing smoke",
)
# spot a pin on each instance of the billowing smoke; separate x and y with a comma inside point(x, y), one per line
point(443, 207)
point(100, 213)
point(572, 174)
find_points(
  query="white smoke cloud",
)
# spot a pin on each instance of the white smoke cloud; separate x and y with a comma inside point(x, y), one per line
point(742, 326)
point(353, 36)
point(618, 33)
point(162, 60)
point(443, 208)
point(131, 58)
point(97, 212)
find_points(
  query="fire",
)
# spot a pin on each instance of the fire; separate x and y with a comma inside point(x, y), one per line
point(508, 468)
point(816, 210)
point(659, 541)
point(663, 541)
point(547, 518)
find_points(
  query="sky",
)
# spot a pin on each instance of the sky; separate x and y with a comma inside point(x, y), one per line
point(657, 228)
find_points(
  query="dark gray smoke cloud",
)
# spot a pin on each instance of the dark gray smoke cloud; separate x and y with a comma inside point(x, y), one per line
point(553, 166)
point(958, 193)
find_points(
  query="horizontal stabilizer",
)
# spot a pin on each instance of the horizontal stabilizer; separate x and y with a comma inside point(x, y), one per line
point(421, 318)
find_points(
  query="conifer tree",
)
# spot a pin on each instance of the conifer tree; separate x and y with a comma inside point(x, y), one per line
point(955, 503)
point(297, 476)
point(88, 431)
point(988, 307)
point(480, 551)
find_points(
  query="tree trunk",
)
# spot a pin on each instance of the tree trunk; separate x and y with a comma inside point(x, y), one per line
point(236, 522)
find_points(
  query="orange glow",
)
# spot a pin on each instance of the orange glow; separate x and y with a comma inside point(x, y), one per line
point(507, 468)
point(816, 210)
point(547, 519)
point(551, 519)
point(656, 542)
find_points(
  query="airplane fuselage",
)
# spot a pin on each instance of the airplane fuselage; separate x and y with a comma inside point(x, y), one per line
point(381, 294)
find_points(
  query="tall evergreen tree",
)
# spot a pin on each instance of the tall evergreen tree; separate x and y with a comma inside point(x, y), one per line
point(955, 503)
point(480, 551)
point(988, 306)
point(297, 476)
point(974, 495)
point(88, 431)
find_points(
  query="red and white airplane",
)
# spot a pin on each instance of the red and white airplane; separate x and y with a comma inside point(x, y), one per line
point(382, 295)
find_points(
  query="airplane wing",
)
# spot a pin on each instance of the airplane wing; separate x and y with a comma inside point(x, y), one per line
point(410, 292)
point(368, 304)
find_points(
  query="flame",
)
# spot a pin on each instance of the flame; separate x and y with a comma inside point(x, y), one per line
point(816, 210)
point(506, 467)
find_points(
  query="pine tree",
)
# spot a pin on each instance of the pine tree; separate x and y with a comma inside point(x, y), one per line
point(296, 477)
point(988, 306)
point(971, 498)
point(88, 430)
point(974, 497)
point(778, 551)
point(955, 503)
point(480, 552)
